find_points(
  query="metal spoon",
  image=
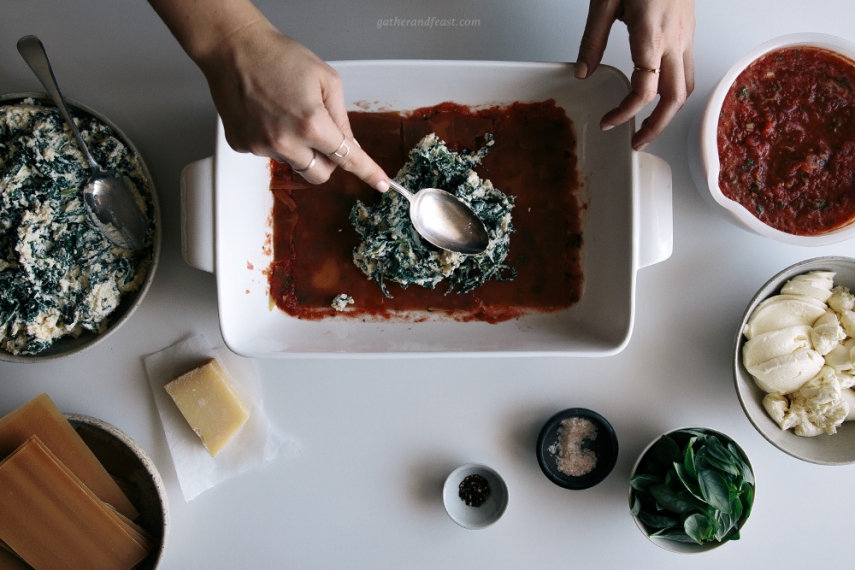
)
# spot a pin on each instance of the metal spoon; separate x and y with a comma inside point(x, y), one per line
point(444, 220)
point(109, 201)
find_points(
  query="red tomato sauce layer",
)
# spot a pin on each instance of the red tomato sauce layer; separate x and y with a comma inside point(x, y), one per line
point(533, 159)
point(786, 140)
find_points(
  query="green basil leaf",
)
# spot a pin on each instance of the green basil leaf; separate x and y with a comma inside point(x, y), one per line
point(699, 528)
point(690, 483)
point(706, 459)
point(733, 535)
point(727, 522)
point(714, 489)
point(700, 434)
point(747, 499)
point(689, 459)
point(675, 534)
point(674, 501)
point(636, 506)
point(736, 508)
point(745, 470)
point(658, 521)
point(663, 453)
point(723, 524)
point(644, 481)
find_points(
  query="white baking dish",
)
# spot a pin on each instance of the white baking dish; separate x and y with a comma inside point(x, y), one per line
point(628, 222)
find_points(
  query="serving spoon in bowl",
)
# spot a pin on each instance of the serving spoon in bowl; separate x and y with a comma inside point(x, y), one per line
point(444, 220)
point(107, 196)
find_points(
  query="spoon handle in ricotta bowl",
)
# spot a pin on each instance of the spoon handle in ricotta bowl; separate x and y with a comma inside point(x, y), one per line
point(33, 52)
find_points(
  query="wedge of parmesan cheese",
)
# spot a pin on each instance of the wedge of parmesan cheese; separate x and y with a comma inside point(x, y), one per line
point(210, 404)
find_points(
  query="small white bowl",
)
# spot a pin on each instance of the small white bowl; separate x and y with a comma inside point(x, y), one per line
point(704, 141)
point(475, 518)
point(837, 449)
point(126, 460)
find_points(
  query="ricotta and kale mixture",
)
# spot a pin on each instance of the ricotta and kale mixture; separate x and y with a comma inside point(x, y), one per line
point(390, 247)
point(58, 275)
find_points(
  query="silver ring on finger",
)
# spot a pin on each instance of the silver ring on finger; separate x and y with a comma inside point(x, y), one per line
point(343, 144)
point(653, 70)
point(311, 164)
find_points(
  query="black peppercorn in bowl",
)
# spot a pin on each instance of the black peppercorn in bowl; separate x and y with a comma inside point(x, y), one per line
point(475, 496)
point(577, 448)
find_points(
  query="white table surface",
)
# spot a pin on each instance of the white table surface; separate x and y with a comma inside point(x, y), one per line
point(379, 436)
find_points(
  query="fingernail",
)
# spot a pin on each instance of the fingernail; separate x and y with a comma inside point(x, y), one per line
point(606, 127)
point(641, 147)
point(581, 71)
point(381, 186)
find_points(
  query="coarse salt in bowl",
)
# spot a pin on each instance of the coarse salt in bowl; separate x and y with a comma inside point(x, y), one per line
point(706, 166)
point(577, 448)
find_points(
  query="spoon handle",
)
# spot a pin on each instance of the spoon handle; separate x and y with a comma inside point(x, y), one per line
point(33, 52)
point(401, 190)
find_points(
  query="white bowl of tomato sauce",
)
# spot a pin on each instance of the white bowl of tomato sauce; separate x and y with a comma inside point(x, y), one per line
point(777, 140)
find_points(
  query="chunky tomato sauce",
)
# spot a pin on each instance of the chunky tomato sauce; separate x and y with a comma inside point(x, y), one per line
point(786, 140)
point(533, 159)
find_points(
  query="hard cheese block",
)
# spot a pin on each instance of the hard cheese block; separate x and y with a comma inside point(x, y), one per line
point(52, 521)
point(42, 418)
point(210, 404)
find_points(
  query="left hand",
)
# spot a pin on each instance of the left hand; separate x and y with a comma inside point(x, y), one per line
point(660, 41)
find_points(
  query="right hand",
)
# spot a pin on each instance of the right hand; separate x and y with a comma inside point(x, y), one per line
point(660, 42)
point(278, 99)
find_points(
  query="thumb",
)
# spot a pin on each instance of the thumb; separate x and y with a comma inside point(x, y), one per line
point(601, 16)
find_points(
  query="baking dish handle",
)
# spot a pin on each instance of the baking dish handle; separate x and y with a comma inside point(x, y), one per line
point(656, 236)
point(197, 214)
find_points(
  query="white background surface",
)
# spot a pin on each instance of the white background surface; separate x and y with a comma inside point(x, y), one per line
point(379, 436)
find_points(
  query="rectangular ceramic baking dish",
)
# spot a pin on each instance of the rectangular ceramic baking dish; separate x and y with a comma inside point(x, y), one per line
point(628, 222)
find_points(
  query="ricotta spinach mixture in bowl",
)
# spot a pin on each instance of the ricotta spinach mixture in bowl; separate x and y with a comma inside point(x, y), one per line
point(58, 275)
point(390, 247)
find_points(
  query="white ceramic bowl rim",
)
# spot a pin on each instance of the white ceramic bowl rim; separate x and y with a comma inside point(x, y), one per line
point(709, 137)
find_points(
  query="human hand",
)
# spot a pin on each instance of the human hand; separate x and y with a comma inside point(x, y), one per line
point(278, 99)
point(660, 41)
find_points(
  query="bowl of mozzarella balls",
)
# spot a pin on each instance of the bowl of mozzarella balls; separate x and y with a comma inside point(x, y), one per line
point(794, 364)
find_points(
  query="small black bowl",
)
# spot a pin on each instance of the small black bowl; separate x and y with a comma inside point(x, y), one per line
point(605, 446)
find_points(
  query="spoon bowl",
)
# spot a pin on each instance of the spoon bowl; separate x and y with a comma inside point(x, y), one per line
point(110, 203)
point(444, 220)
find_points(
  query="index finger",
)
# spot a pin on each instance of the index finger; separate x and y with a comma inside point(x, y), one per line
point(350, 156)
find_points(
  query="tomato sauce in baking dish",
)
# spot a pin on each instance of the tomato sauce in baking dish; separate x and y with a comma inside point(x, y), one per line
point(533, 158)
point(786, 140)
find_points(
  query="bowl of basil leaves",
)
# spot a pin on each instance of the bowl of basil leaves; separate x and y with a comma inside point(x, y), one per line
point(691, 490)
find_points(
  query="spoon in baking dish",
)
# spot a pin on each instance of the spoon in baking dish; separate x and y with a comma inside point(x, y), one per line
point(444, 220)
point(107, 196)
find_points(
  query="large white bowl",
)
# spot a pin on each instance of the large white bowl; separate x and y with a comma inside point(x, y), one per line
point(705, 162)
point(837, 449)
point(68, 346)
